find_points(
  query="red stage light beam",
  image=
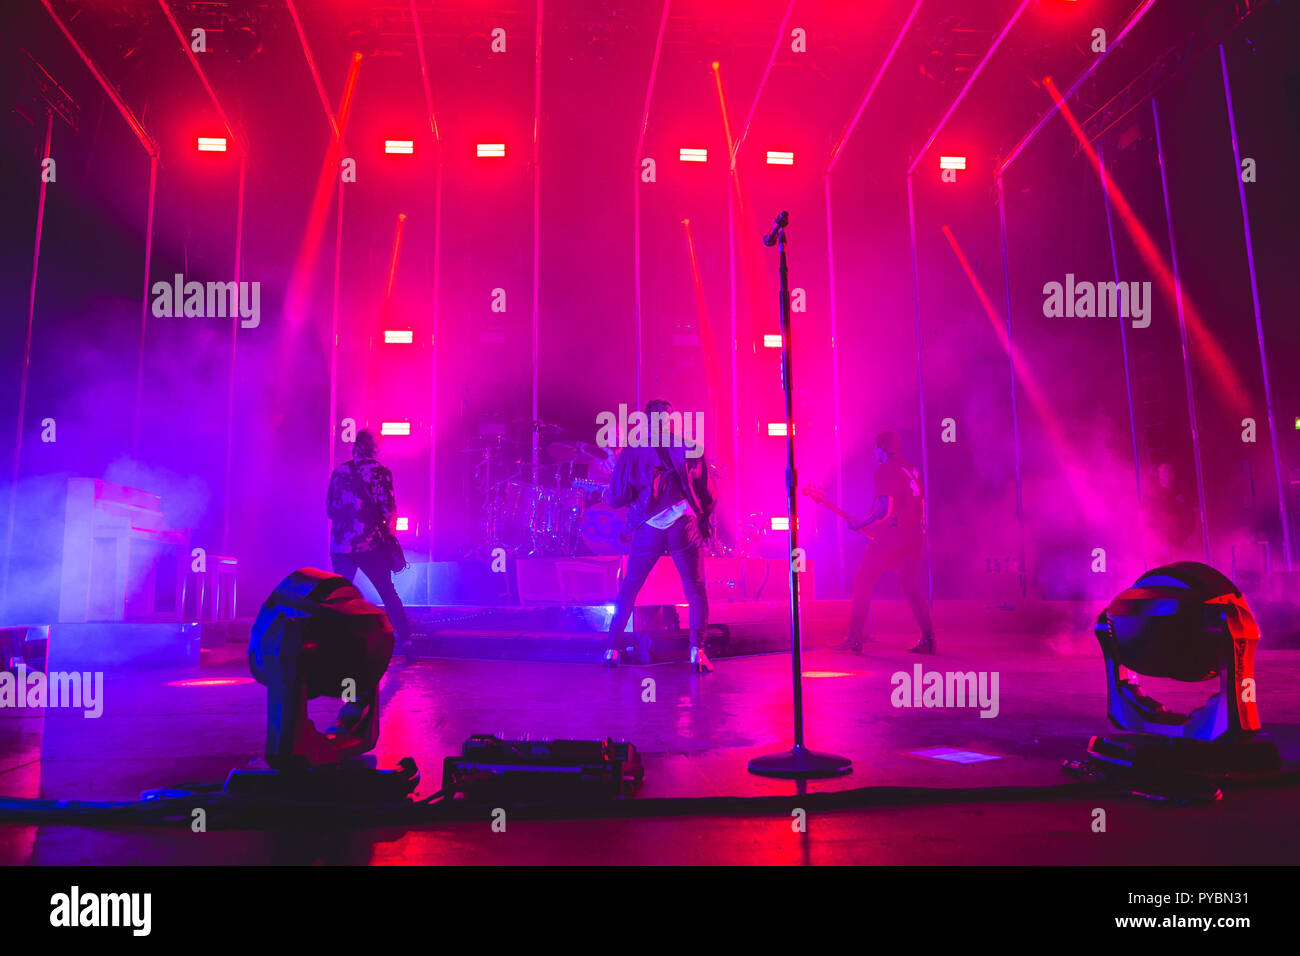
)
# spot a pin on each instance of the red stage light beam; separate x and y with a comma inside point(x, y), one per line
point(203, 77)
point(299, 283)
point(702, 313)
point(424, 73)
point(871, 90)
point(315, 73)
point(970, 81)
point(1220, 367)
point(636, 197)
point(1138, 14)
point(781, 36)
point(392, 261)
point(1094, 507)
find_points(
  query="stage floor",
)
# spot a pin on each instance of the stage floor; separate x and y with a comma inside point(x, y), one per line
point(164, 728)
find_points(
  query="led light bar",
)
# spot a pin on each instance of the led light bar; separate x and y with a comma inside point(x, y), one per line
point(693, 155)
point(772, 341)
point(776, 429)
point(398, 337)
point(954, 755)
point(952, 162)
point(403, 524)
point(490, 149)
point(775, 158)
point(395, 428)
point(212, 144)
point(399, 146)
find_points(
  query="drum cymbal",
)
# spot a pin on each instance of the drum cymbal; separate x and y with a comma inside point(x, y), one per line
point(562, 451)
point(541, 427)
point(579, 452)
point(488, 443)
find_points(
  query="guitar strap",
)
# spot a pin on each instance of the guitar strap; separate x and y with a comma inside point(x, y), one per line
point(366, 495)
point(679, 469)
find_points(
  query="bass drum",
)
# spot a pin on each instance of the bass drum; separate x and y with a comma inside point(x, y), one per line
point(602, 530)
point(566, 519)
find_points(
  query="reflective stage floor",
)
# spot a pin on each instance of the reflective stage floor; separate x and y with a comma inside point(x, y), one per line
point(161, 728)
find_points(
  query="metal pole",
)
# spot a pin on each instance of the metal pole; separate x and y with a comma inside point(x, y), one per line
point(1182, 335)
point(234, 336)
point(433, 372)
point(792, 501)
point(1123, 345)
point(920, 373)
point(636, 197)
point(835, 382)
point(1259, 319)
point(1015, 407)
point(636, 272)
point(144, 308)
point(334, 326)
point(27, 360)
point(537, 225)
point(798, 762)
point(735, 358)
point(334, 331)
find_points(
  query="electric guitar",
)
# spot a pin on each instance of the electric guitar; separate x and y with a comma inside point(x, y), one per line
point(586, 484)
point(818, 494)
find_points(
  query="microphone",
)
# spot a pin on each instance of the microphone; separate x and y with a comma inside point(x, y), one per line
point(779, 223)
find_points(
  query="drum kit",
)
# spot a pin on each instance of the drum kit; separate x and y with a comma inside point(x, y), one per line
point(557, 508)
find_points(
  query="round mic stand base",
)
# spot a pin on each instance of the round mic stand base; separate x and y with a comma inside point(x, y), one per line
point(800, 762)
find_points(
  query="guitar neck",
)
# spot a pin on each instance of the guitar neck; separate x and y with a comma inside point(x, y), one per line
point(839, 511)
point(835, 508)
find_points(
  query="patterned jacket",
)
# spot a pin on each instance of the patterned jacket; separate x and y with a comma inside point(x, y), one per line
point(634, 483)
point(360, 502)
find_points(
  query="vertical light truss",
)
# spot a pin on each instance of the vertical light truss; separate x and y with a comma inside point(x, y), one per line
point(1016, 150)
point(1182, 336)
point(1259, 318)
point(1015, 407)
point(970, 81)
point(1123, 345)
point(636, 200)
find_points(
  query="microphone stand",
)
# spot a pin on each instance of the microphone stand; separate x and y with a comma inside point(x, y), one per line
point(798, 762)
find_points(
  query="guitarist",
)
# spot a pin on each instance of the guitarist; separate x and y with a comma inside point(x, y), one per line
point(897, 528)
point(361, 508)
point(670, 500)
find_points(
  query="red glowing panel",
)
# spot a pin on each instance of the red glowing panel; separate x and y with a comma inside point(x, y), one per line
point(490, 149)
point(406, 146)
point(952, 162)
point(212, 144)
point(775, 158)
point(822, 675)
point(953, 755)
point(395, 428)
point(688, 155)
point(398, 336)
point(211, 682)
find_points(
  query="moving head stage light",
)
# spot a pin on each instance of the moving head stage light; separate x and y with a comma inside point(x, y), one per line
point(316, 636)
point(1187, 622)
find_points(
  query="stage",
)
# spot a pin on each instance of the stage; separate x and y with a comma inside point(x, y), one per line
point(169, 726)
